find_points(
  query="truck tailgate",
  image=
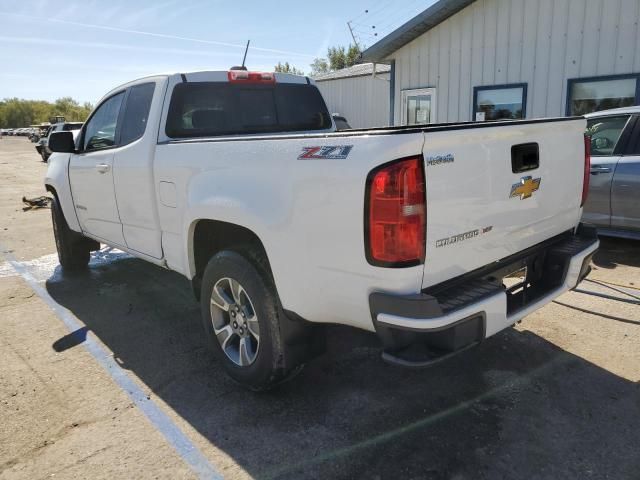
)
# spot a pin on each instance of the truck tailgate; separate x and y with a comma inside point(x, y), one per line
point(487, 199)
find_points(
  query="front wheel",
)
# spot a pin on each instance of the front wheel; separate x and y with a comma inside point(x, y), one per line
point(73, 248)
point(242, 319)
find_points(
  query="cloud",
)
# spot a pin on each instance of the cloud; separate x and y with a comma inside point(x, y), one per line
point(160, 35)
point(50, 42)
point(321, 52)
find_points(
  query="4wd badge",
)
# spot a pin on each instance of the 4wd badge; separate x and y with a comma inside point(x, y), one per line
point(326, 152)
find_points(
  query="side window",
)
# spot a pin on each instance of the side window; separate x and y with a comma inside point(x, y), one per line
point(101, 127)
point(605, 133)
point(136, 112)
point(633, 147)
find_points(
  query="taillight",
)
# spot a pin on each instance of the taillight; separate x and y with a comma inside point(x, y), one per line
point(242, 76)
point(396, 214)
point(587, 169)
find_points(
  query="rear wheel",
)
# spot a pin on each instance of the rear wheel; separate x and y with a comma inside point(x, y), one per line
point(242, 318)
point(73, 248)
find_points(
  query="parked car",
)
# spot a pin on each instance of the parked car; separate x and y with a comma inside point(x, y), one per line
point(42, 146)
point(39, 131)
point(614, 191)
point(435, 237)
point(44, 138)
point(34, 136)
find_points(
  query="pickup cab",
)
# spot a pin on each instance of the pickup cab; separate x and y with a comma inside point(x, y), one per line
point(433, 237)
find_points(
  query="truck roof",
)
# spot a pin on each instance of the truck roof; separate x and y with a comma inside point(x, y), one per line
point(212, 76)
point(614, 111)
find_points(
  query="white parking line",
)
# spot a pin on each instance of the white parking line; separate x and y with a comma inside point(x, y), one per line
point(171, 432)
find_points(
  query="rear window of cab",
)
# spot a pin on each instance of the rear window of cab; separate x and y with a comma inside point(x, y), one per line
point(204, 109)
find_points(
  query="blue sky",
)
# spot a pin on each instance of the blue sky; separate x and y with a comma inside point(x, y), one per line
point(51, 49)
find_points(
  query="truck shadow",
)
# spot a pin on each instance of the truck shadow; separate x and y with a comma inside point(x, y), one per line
point(617, 251)
point(515, 407)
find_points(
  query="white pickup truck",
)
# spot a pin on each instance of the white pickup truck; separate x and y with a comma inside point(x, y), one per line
point(434, 237)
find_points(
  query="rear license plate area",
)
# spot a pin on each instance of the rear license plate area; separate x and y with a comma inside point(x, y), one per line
point(515, 281)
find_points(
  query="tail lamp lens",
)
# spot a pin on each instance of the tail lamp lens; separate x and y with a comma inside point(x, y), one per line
point(587, 169)
point(397, 214)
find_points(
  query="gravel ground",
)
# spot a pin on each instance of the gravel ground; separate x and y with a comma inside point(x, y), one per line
point(558, 396)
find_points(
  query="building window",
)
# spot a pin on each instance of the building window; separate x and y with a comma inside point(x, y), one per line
point(500, 102)
point(419, 106)
point(586, 95)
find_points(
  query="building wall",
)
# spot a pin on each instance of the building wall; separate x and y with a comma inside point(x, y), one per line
point(539, 42)
point(363, 101)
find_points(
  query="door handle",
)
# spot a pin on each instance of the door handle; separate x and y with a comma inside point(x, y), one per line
point(597, 169)
point(103, 167)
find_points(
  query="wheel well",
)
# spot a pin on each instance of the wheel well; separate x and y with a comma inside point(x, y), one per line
point(212, 236)
point(51, 190)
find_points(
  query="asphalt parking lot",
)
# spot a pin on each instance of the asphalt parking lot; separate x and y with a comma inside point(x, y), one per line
point(558, 396)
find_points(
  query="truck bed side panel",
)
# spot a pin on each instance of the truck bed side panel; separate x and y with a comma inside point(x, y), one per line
point(308, 213)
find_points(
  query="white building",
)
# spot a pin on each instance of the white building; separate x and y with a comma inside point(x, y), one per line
point(356, 93)
point(463, 60)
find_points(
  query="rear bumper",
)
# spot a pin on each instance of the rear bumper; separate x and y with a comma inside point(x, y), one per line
point(419, 329)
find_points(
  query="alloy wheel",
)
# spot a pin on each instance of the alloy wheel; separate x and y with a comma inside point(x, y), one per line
point(235, 322)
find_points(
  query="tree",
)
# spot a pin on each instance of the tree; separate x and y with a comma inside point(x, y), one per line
point(16, 112)
point(338, 57)
point(286, 68)
point(319, 66)
point(70, 109)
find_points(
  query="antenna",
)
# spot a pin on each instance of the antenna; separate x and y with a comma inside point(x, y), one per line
point(242, 67)
point(245, 53)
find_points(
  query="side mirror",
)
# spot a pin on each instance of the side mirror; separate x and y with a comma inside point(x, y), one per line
point(62, 142)
point(340, 121)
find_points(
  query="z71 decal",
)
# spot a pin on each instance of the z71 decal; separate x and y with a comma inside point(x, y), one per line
point(327, 152)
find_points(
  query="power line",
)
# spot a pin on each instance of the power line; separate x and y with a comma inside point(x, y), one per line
point(408, 12)
point(367, 24)
point(370, 12)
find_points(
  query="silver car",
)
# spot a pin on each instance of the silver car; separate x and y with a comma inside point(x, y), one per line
point(613, 204)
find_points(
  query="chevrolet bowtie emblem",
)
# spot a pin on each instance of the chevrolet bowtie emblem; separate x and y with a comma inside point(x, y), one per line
point(525, 187)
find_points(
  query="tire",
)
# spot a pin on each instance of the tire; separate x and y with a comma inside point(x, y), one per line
point(266, 361)
point(73, 248)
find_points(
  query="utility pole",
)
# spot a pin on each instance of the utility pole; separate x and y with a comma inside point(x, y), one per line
point(352, 35)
